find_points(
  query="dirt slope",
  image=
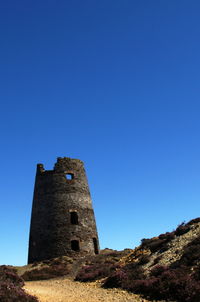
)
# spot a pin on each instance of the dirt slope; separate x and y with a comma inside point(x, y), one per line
point(65, 290)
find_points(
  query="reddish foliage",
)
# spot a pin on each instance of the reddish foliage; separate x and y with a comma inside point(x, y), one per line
point(163, 283)
point(9, 275)
point(95, 271)
point(11, 287)
point(47, 272)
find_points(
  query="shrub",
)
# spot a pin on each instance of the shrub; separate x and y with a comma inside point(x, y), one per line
point(169, 284)
point(100, 266)
point(116, 279)
point(95, 272)
point(157, 244)
point(191, 255)
point(9, 275)
point(144, 259)
point(196, 220)
point(172, 284)
point(47, 272)
point(163, 283)
point(182, 229)
point(11, 293)
point(167, 236)
point(121, 277)
point(158, 270)
point(11, 287)
point(134, 271)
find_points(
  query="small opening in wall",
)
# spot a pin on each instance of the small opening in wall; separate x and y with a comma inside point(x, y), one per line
point(75, 245)
point(69, 176)
point(74, 217)
point(96, 250)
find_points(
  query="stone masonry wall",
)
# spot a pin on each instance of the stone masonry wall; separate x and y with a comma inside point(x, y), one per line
point(62, 221)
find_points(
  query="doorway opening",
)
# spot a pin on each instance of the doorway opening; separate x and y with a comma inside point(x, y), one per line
point(96, 250)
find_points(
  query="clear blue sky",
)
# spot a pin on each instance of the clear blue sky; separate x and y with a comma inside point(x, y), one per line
point(115, 84)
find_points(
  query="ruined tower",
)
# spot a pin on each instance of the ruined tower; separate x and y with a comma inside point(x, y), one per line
point(62, 220)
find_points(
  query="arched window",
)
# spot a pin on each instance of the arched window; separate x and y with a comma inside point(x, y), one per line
point(75, 245)
point(73, 217)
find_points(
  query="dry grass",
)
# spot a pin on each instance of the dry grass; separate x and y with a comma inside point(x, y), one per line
point(65, 290)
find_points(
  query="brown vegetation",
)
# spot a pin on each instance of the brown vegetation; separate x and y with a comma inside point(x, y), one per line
point(11, 287)
point(164, 268)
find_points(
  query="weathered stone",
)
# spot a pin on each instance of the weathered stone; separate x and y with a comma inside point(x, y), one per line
point(62, 221)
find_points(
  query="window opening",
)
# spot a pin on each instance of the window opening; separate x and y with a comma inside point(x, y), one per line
point(96, 250)
point(69, 176)
point(75, 245)
point(74, 217)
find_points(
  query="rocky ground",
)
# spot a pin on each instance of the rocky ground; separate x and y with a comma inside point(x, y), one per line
point(169, 249)
point(175, 253)
point(65, 290)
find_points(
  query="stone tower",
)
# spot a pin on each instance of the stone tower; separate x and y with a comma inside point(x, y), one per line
point(62, 220)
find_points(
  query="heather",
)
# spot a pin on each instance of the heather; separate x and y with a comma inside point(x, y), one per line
point(11, 287)
point(162, 268)
point(49, 269)
point(178, 281)
point(100, 266)
point(163, 283)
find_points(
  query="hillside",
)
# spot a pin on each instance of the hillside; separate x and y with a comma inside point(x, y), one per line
point(164, 268)
point(178, 248)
